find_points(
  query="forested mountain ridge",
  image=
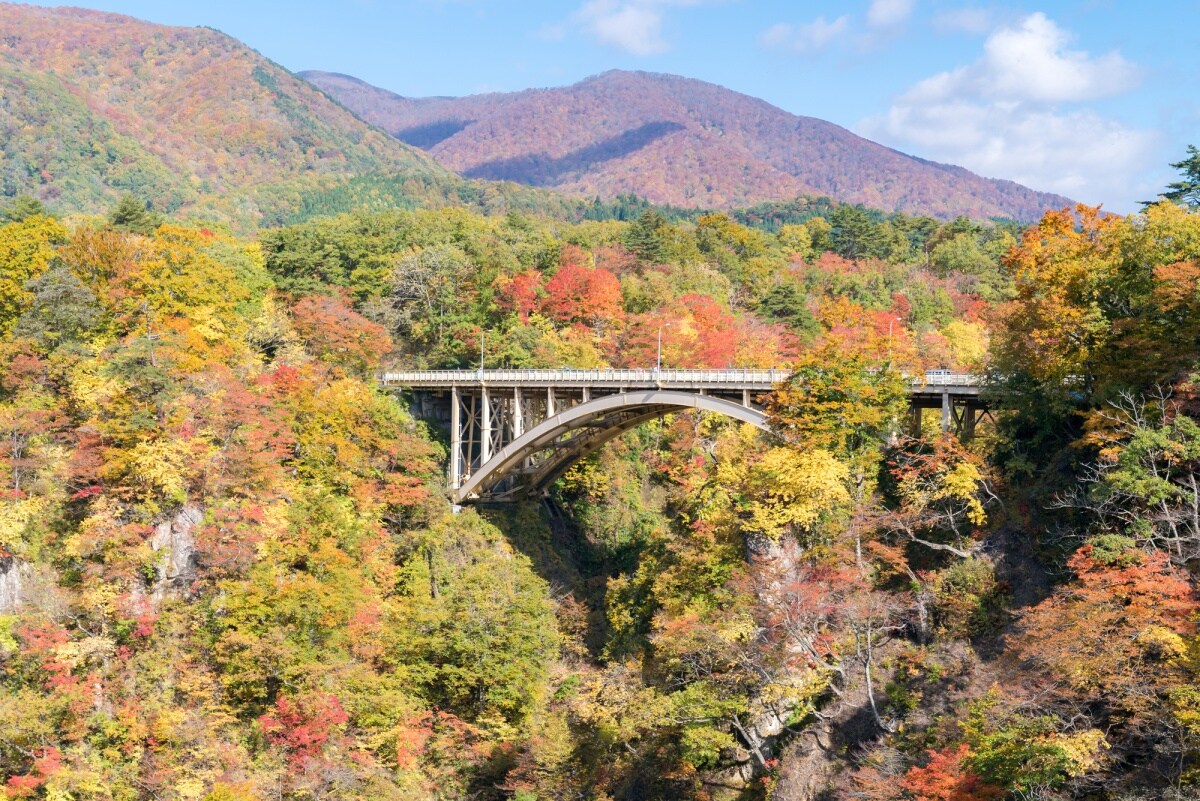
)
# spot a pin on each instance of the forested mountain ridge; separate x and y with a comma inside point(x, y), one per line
point(675, 140)
point(95, 104)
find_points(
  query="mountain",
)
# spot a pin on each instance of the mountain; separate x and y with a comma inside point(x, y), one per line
point(674, 140)
point(95, 104)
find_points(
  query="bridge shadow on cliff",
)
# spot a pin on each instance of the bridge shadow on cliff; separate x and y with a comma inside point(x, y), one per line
point(543, 170)
point(576, 569)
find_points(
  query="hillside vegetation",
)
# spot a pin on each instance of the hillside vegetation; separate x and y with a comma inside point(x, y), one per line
point(675, 141)
point(228, 568)
point(93, 105)
point(197, 124)
point(227, 571)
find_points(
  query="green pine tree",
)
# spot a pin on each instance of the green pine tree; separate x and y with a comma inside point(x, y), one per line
point(1186, 191)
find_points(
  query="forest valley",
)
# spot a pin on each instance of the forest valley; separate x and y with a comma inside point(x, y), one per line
point(228, 570)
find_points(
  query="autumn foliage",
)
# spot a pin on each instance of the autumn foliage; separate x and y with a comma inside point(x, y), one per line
point(945, 778)
point(237, 577)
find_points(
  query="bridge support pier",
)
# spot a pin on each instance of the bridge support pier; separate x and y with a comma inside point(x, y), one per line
point(485, 426)
point(455, 437)
point(947, 412)
point(518, 418)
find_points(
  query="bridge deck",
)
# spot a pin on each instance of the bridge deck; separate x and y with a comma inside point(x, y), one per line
point(932, 383)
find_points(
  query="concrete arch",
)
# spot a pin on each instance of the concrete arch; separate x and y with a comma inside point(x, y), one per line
point(578, 431)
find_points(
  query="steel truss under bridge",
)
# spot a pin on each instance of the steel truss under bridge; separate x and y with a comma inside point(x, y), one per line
point(514, 432)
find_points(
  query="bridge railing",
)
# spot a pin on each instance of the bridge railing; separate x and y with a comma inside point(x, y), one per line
point(567, 376)
point(581, 376)
point(942, 378)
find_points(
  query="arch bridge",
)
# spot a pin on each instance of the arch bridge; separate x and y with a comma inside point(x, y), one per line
point(514, 432)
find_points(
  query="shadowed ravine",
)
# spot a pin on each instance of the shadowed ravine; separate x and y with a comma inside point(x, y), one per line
point(543, 170)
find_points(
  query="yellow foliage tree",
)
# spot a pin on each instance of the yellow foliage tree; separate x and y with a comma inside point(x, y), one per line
point(26, 249)
point(787, 490)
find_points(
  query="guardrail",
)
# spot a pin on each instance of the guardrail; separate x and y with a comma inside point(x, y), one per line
point(620, 377)
point(939, 378)
point(572, 376)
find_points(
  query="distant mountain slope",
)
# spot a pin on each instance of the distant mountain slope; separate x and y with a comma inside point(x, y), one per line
point(94, 104)
point(674, 140)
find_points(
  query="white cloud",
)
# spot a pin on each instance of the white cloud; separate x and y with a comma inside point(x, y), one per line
point(1032, 62)
point(1079, 154)
point(634, 26)
point(1009, 115)
point(888, 13)
point(806, 38)
point(883, 20)
point(967, 20)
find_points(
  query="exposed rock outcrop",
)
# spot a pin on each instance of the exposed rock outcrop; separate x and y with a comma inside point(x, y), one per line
point(15, 577)
point(28, 586)
point(175, 540)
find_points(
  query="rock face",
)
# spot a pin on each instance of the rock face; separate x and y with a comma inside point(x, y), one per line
point(15, 577)
point(762, 733)
point(174, 539)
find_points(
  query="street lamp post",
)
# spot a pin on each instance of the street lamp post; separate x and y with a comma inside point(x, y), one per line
point(891, 321)
point(893, 434)
point(660, 330)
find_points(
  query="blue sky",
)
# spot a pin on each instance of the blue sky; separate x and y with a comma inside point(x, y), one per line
point(1090, 98)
